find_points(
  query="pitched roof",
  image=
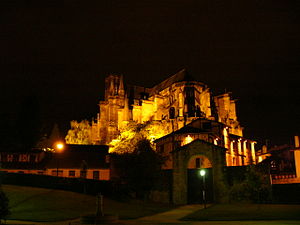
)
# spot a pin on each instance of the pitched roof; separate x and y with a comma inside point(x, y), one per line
point(184, 130)
point(77, 160)
point(94, 156)
point(184, 147)
point(84, 148)
point(30, 162)
point(190, 129)
point(24, 165)
point(182, 75)
point(73, 156)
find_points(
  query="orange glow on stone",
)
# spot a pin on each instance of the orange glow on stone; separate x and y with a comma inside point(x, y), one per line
point(187, 140)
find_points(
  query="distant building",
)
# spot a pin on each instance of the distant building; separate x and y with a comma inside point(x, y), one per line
point(75, 161)
point(284, 162)
point(33, 161)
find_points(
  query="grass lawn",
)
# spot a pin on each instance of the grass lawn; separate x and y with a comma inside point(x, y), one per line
point(240, 212)
point(38, 204)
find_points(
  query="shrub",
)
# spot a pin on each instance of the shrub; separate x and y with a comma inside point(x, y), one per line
point(4, 210)
point(254, 188)
point(140, 169)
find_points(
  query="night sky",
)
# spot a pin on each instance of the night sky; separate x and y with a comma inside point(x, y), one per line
point(60, 52)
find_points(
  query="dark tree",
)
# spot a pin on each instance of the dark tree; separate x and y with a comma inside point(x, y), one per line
point(255, 187)
point(140, 169)
point(4, 210)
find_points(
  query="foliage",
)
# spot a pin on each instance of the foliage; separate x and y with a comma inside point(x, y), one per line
point(254, 188)
point(4, 210)
point(80, 133)
point(134, 132)
point(139, 169)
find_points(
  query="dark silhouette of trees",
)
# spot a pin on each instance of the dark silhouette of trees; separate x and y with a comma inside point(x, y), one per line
point(4, 210)
point(139, 169)
point(255, 187)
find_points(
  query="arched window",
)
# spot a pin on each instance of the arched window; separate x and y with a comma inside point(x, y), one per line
point(172, 113)
point(198, 112)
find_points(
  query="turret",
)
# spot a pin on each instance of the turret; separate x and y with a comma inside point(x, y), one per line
point(114, 86)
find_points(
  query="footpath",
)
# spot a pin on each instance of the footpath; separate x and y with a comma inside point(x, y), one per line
point(170, 217)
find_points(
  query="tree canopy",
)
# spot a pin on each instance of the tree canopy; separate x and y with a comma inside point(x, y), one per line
point(4, 208)
point(80, 133)
point(133, 133)
point(140, 168)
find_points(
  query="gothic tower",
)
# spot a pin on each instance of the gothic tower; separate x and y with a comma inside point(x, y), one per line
point(114, 100)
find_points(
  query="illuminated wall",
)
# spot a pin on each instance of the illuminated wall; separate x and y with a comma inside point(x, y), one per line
point(177, 100)
point(226, 109)
point(239, 150)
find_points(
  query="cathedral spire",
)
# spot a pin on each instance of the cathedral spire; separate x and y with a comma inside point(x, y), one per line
point(114, 86)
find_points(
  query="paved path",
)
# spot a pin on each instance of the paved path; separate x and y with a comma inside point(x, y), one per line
point(171, 216)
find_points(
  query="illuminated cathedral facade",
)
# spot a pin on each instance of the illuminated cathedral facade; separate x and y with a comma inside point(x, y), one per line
point(177, 101)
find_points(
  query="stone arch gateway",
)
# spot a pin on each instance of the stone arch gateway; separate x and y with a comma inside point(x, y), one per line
point(181, 157)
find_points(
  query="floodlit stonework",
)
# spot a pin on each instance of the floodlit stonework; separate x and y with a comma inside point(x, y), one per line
point(175, 102)
point(178, 100)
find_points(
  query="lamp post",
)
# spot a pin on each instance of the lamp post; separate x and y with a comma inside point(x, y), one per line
point(202, 174)
point(59, 148)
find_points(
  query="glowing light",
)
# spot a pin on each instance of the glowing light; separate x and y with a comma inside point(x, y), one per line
point(216, 141)
point(187, 140)
point(202, 173)
point(59, 146)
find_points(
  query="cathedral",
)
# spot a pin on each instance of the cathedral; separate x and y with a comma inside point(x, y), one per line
point(177, 101)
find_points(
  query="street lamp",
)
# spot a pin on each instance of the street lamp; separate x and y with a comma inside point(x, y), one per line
point(202, 174)
point(59, 146)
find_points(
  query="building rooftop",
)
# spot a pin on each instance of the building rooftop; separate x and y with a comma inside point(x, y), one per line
point(185, 130)
point(182, 75)
point(76, 156)
point(72, 156)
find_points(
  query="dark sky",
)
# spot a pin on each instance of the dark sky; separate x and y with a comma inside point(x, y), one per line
point(61, 50)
